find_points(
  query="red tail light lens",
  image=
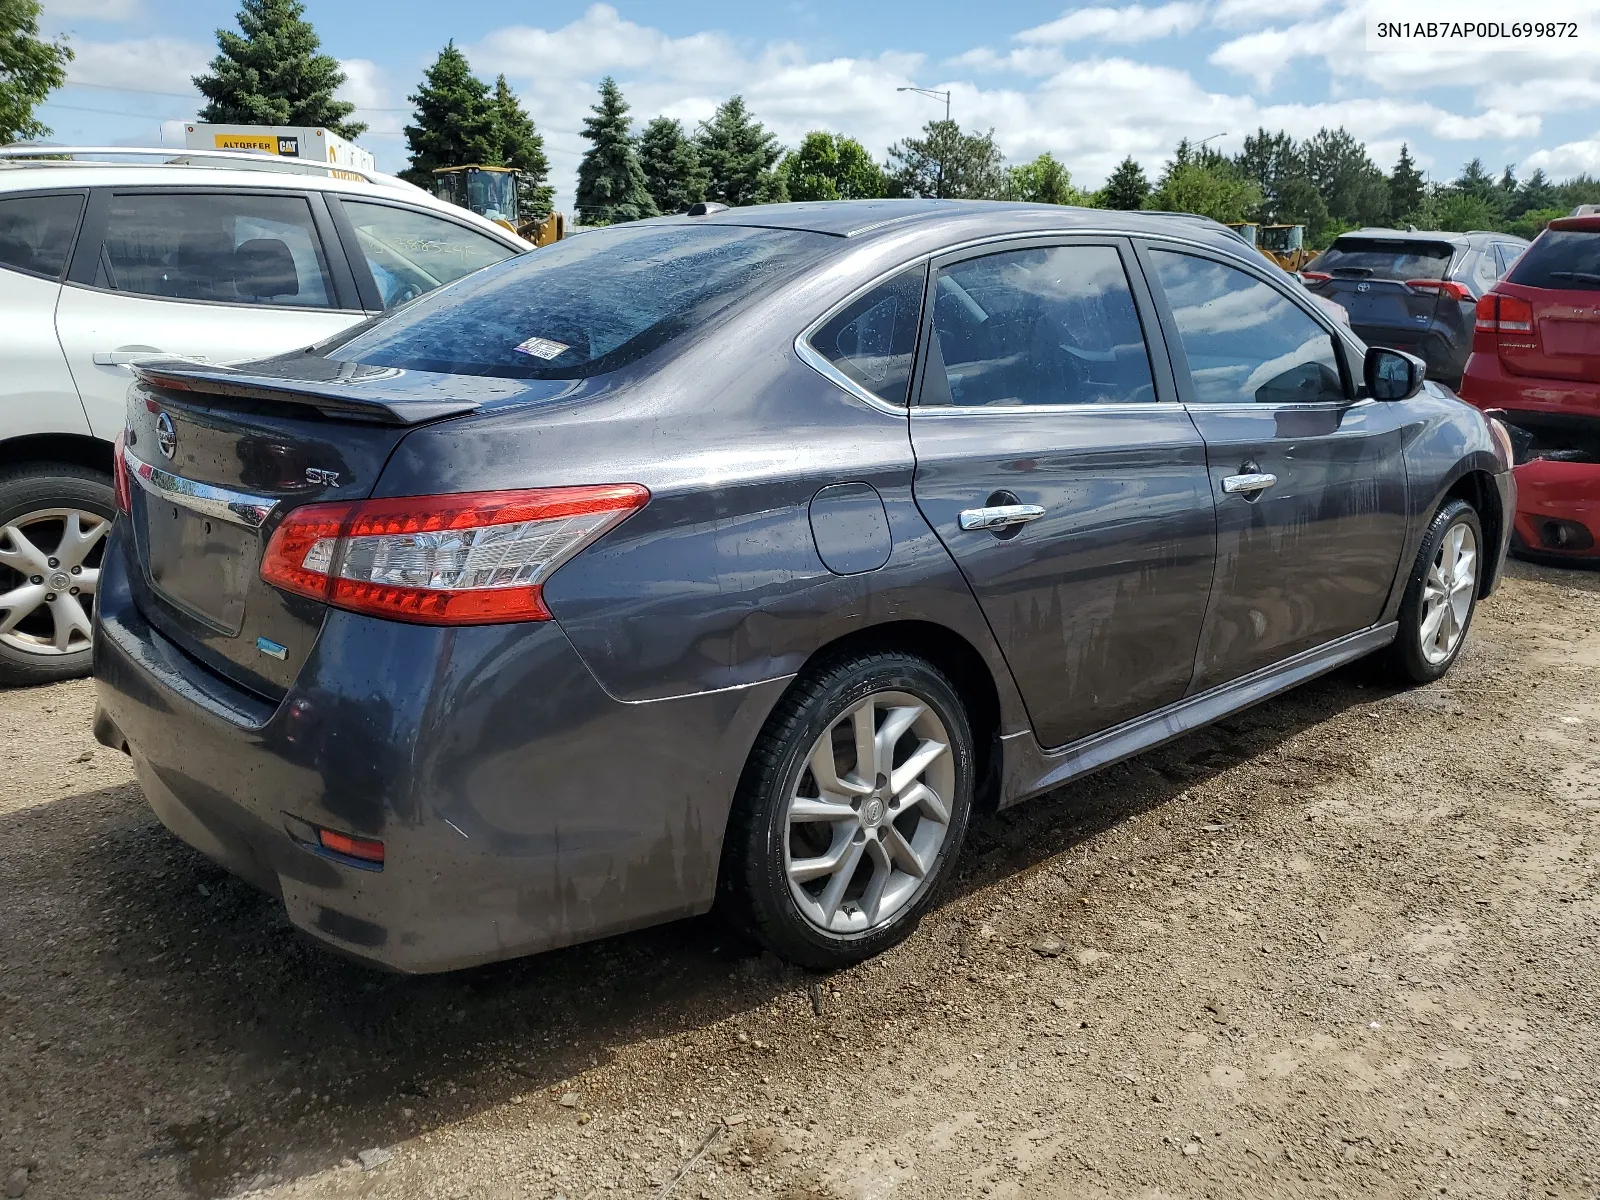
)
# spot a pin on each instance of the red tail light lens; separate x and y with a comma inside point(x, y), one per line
point(1440, 287)
point(1507, 319)
point(366, 849)
point(1315, 276)
point(477, 558)
point(119, 475)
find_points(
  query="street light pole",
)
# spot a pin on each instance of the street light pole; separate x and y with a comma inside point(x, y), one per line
point(937, 95)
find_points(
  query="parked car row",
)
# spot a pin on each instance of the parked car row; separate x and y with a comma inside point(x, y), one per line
point(736, 558)
point(106, 264)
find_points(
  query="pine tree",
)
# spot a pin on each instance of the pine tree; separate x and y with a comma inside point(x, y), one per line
point(30, 69)
point(1127, 189)
point(1042, 181)
point(1474, 180)
point(946, 163)
point(672, 170)
point(611, 185)
point(1406, 190)
point(739, 153)
point(830, 166)
point(456, 120)
point(1353, 188)
point(522, 147)
point(273, 75)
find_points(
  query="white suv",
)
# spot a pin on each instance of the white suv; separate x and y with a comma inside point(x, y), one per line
point(103, 264)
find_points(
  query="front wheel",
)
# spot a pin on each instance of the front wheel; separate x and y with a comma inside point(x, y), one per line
point(1440, 597)
point(851, 810)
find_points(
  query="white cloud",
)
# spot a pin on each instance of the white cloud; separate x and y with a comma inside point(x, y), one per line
point(378, 105)
point(1249, 12)
point(1135, 23)
point(1570, 158)
point(94, 10)
point(162, 63)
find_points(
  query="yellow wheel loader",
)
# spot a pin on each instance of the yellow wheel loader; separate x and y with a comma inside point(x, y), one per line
point(492, 192)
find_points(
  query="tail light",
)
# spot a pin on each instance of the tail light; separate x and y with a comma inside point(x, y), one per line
point(476, 558)
point(1440, 287)
point(119, 475)
point(1315, 276)
point(1502, 321)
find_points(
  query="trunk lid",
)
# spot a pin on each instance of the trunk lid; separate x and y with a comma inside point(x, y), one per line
point(1559, 277)
point(217, 456)
point(1368, 276)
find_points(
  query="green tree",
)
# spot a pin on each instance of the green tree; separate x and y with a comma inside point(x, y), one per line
point(1042, 181)
point(456, 120)
point(30, 69)
point(1214, 190)
point(1531, 223)
point(1406, 188)
point(672, 170)
point(611, 184)
point(1580, 189)
point(1126, 189)
point(1455, 211)
point(1350, 183)
point(830, 166)
point(1534, 194)
point(1474, 180)
point(946, 163)
point(1274, 163)
point(273, 74)
point(739, 155)
point(520, 146)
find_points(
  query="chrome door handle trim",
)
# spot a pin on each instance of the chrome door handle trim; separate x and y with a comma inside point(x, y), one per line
point(207, 499)
point(1000, 516)
point(1248, 485)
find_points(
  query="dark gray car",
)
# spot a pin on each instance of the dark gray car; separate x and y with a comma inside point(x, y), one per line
point(1414, 291)
point(740, 555)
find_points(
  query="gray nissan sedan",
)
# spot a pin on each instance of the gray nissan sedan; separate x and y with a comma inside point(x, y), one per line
point(735, 558)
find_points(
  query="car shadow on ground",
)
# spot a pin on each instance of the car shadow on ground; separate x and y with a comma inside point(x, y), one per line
point(185, 995)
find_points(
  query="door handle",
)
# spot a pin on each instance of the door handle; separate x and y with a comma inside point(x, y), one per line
point(1248, 485)
point(1000, 516)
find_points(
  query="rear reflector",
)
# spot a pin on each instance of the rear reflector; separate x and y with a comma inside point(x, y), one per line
point(474, 558)
point(365, 849)
point(1440, 287)
point(119, 475)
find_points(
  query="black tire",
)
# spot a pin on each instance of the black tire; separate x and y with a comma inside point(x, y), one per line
point(755, 883)
point(1406, 660)
point(35, 489)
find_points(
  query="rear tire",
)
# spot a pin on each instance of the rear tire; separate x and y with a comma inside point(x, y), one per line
point(830, 859)
point(54, 518)
point(1440, 598)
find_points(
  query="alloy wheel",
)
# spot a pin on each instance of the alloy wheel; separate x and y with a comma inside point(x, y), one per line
point(1447, 593)
point(49, 574)
point(868, 813)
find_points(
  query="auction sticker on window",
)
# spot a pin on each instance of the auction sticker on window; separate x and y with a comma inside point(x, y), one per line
point(541, 348)
point(1547, 25)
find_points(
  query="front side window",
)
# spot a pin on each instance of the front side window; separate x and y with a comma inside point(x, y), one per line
point(1245, 341)
point(874, 339)
point(1053, 325)
point(410, 253)
point(36, 232)
point(228, 248)
point(588, 304)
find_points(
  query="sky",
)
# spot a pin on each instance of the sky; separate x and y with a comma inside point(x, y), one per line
point(1091, 84)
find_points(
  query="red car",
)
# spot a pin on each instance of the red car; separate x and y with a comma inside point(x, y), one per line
point(1536, 355)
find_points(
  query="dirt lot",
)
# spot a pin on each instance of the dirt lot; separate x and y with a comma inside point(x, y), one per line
point(1342, 944)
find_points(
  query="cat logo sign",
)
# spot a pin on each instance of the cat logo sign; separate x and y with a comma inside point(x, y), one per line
point(286, 147)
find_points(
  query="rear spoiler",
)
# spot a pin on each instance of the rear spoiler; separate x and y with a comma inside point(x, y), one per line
point(349, 391)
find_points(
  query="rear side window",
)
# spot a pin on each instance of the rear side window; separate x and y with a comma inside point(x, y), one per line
point(874, 339)
point(229, 248)
point(1380, 258)
point(1047, 326)
point(410, 253)
point(1562, 259)
point(1246, 342)
point(586, 305)
point(36, 232)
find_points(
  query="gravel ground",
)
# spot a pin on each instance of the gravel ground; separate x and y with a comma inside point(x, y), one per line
point(1342, 944)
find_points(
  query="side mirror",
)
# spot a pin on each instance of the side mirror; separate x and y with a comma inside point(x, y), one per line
point(1393, 374)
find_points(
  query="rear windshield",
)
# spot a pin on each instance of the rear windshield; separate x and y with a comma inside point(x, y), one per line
point(586, 305)
point(1561, 259)
point(1377, 258)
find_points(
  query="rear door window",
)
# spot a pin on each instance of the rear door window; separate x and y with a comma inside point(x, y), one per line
point(1051, 325)
point(228, 248)
point(873, 340)
point(1561, 259)
point(1245, 342)
point(410, 253)
point(1385, 258)
point(37, 232)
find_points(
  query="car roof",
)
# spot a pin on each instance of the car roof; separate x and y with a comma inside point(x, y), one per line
point(22, 175)
point(869, 218)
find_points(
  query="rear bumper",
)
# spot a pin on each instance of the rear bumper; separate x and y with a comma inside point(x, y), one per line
point(1487, 384)
point(521, 808)
point(1552, 497)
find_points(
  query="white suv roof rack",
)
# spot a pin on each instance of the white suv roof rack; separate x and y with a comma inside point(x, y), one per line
point(41, 154)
